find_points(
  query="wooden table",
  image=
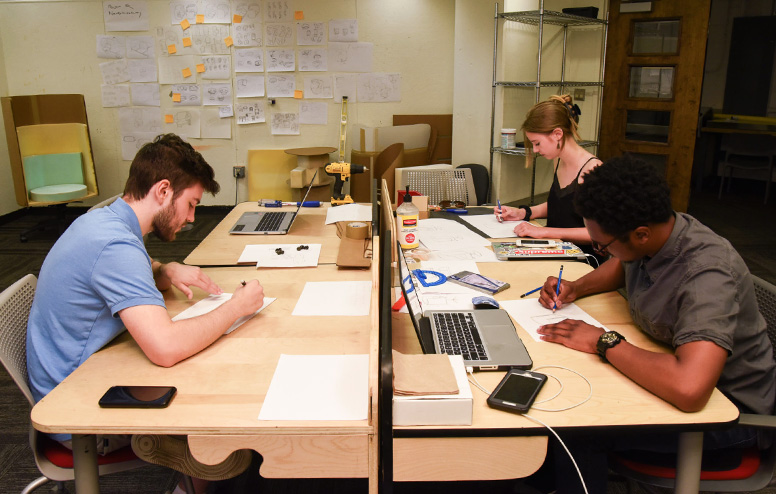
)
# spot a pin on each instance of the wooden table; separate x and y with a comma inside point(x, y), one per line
point(220, 248)
point(501, 445)
point(221, 389)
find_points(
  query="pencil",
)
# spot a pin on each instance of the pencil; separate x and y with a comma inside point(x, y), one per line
point(500, 219)
point(531, 291)
point(557, 289)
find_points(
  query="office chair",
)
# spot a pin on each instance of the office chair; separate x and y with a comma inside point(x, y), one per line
point(54, 461)
point(727, 470)
point(746, 152)
point(481, 181)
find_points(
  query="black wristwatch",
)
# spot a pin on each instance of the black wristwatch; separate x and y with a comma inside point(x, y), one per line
point(606, 341)
point(527, 212)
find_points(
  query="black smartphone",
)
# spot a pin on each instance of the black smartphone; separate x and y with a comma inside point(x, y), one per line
point(479, 282)
point(517, 390)
point(137, 397)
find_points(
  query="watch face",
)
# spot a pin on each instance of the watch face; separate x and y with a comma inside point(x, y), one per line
point(609, 337)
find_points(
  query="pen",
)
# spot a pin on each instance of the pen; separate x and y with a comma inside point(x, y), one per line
point(456, 211)
point(557, 289)
point(501, 220)
point(530, 292)
point(242, 282)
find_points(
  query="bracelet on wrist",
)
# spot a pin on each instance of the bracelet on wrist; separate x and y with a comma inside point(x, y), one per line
point(527, 210)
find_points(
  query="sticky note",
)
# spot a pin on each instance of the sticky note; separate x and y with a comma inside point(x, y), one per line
point(186, 72)
point(171, 49)
point(228, 41)
point(237, 18)
point(200, 19)
point(176, 97)
point(186, 41)
point(200, 67)
point(299, 15)
point(185, 24)
point(298, 94)
point(168, 118)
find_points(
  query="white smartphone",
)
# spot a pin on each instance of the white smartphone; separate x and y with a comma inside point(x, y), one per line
point(535, 242)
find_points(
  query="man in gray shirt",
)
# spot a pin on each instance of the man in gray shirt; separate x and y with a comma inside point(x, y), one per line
point(687, 287)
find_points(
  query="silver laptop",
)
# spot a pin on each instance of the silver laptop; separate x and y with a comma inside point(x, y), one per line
point(268, 222)
point(486, 338)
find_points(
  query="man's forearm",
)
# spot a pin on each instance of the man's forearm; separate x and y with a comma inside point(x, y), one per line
point(608, 277)
point(162, 281)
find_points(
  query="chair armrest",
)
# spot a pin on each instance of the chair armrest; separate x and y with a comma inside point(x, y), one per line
point(755, 420)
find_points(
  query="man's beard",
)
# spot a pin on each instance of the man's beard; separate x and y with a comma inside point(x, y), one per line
point(162, 225)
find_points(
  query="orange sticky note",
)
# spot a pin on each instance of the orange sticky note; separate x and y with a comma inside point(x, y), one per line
point(299, 15)
point(186, 41)
point(200, 18)
point(176, 97)
point(171, 49)
point(186, 72)
point(237, 18)
point(200, 67)
point(168, 118)
point(228, 41)
point(298, 94)
point(185, 24)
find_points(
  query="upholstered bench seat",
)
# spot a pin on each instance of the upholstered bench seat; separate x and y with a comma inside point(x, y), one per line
point(58, 193)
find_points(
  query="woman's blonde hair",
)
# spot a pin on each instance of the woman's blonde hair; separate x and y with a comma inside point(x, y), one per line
point(546, 116)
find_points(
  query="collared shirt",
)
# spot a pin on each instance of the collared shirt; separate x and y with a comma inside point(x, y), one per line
point(698, 288)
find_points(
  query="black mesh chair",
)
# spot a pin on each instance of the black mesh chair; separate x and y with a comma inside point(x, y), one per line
point(481, 181)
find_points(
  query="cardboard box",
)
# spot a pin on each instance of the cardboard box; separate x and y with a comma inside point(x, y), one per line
point(437, 409)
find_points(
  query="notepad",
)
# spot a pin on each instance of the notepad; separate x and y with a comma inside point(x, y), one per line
point(211, 303)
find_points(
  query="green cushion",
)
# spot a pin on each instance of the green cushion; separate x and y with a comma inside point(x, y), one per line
point(58, 193)
point(53, 169)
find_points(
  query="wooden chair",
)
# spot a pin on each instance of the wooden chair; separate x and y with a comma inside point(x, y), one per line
point(745, 152)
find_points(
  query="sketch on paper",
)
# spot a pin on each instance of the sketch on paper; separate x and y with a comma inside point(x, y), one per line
point(171, 69)
point(216, 11)
point(114, 95)
point(318, 87)
point(313, 60)
point(278, 35)
point(125, 15)
point(208, 39)
point(217, 67)
point(281, 85)
point(278, 11)
point(132, 142)
point(345, 85)
point(246, 34)
point(114, 72)
point(280, 60)
point(185, 123)
point(379, 87)
point(170, 35)
point(248, 113)
point(249, 10)
point(314, 113)
point(140, 47)
point(214, 127)
point(190, 95)
point(343, 30)
point(142, 70)
point(249, 60)
point(111, 46)
point(183, 9)
point(144, 94)
point(225, 111)
point(134, 120)
point(249, 85)
point(310, 33)
point(350, 57)
point(285, 124)
point(216, 94)
point(476, 254)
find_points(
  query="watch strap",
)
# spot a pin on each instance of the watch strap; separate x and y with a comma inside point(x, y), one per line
point(527, 212)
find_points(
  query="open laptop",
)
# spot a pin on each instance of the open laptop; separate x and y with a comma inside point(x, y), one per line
point(268, 222)
point(493, 345)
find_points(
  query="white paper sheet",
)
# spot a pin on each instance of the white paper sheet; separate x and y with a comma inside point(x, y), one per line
point(343, 30)
point(440, 234)
point(313, 113)
point(318, 387)
point(125, 15)
point(115, 71)
point(278, 34)
point(334, 298)
point(318, 87)
point(216, 94)
point(248, 113)
point(171, 69)
point(280, 60)
point(111, 46)
point(278, 11)
point(249, 85)
point(349, 212)
point(530, 314)
point(217, 67)
point(285, 124)
point(314, 60)
point(266, 255)
point(247, 34)
point(310, 33)
point(142, 70)
point(114, 95)
point(214, 301)
point(281, 85)
point(490, 226)
point(249, 60)
point(131, 142)
point(212, 126)
point(379, 87)
point(186, 122)
point(350, 57)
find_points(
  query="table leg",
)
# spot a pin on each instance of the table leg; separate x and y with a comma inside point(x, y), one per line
point(688, 463)
point(85, 464)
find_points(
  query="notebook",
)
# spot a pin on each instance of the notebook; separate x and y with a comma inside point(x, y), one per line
point(510, 251)
point(268, 222)
point(492, 345)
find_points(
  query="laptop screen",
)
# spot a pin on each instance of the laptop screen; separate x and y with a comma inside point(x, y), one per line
point(410, 291)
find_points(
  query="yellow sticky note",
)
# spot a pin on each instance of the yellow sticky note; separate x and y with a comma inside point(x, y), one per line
point(186, 41)
point(176, 97)
point(168, 118)
point(185, 24)
point(200, 19)
point(186, 72)
point(298, 94)
point(299, 15)
point(171, 49)
point(228, 41)
point(237, 18)
point(200, 67)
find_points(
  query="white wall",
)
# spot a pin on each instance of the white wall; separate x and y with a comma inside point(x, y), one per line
point(49, 47)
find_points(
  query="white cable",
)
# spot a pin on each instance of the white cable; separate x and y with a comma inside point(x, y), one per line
point(584, 486)
point(470, 370)
point(591, 256)
point(585, 400)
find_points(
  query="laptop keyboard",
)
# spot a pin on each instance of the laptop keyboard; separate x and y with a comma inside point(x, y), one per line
point(457, 334)
point(270, 221)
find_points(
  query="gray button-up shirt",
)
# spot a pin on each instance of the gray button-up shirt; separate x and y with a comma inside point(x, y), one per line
point(697, 288)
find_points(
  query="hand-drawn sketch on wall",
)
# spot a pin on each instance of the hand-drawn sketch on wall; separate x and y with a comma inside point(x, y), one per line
point(133, 120)
point(125, 15)
point(171, 69)
point(209, 40)
point(249, 10)
point(216, 94)
point(111, 46)
point(114, 72)
point(350, 57)
point(140, 47)
point(172, 35)
point(247, 34)
point(280, 85)
point(217, 67)
point(214, 127)
point(311, 112)
point(145, 94)
point(285, 124)
point(310, 33)
point(343, 30)
point(142, 70)
point(216, 11)
point(183, 9)
point(280, 60)
point(278, 34)
point(313, 60)
point(249, 85)
point(318, 87)
point(379, 87)
point(190, 95)
point(185, 123)
point(278, 11)
point(114, 95)
point(249, 60)
point(132, 142)
point(345, 85)
point(225, 111)
point(248, 113)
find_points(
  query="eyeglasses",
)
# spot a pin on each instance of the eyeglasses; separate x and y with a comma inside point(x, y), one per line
point(452, 204)
point(601, 249)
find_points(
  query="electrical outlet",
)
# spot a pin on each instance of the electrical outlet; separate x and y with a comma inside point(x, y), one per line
point(238, 171)
point(579, 94)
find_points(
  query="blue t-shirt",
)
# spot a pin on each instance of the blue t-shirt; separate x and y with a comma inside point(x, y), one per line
point(98, 267)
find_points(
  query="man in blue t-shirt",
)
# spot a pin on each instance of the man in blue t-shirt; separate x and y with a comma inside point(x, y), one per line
point(99, 279)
